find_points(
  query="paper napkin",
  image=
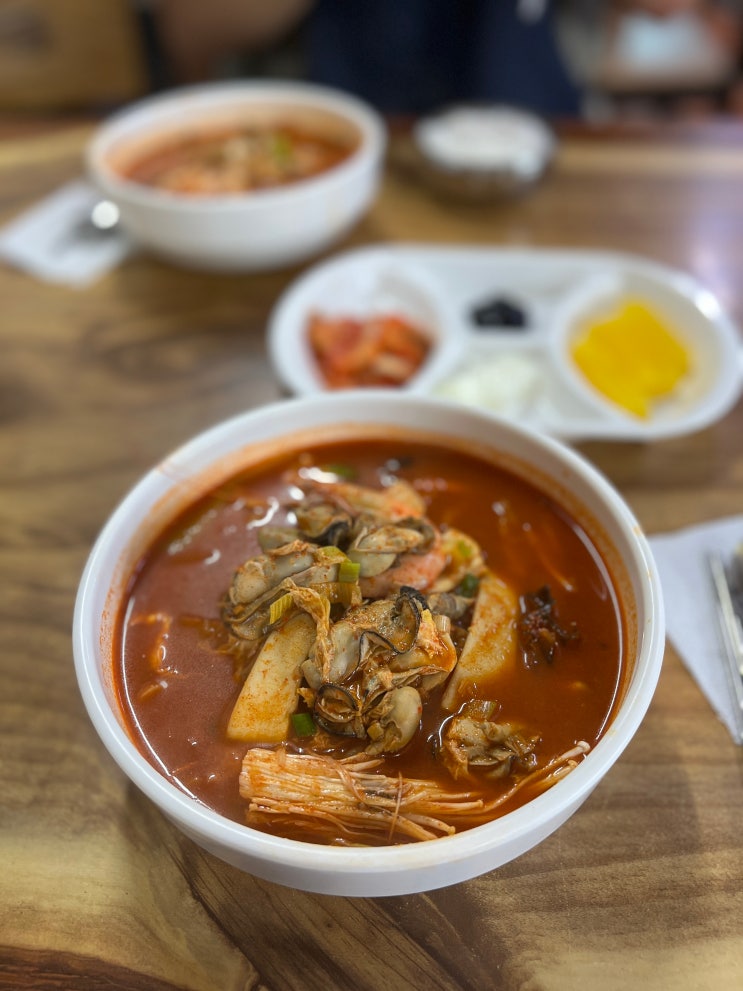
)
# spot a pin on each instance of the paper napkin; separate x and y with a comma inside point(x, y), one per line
point(55, 240)
point(692, 620)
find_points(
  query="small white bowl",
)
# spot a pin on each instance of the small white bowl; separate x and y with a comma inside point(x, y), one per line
point(223, 450)
point(264, 229)
point(363, 283)
point(694, 316)
point(483, 151)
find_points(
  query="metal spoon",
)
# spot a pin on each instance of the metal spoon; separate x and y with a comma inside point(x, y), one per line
point(731, 635)
point(105, 215)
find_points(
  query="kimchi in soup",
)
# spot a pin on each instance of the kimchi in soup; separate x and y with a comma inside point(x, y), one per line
point(363, 644)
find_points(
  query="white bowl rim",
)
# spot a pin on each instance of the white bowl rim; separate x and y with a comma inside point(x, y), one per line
point(370, 148)
point(484, 109)
point(408, 858)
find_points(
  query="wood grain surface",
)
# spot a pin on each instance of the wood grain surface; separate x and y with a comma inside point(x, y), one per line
point(642, 888)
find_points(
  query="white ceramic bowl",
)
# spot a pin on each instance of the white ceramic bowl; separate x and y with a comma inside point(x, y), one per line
point(362, 283)
point(694, 316)
point(483, 152)
point(263, 229)
point(217, 454)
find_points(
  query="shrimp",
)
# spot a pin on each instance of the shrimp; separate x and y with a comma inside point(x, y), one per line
point(416, 570)
point(393, 502)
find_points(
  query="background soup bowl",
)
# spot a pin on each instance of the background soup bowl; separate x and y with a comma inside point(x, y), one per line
point(260, 229)
point(220, 452)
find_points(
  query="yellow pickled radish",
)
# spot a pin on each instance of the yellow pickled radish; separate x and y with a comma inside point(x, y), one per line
point(631, 357)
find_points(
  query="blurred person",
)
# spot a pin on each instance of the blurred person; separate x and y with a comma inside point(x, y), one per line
point(410, 56)
point(403, 56)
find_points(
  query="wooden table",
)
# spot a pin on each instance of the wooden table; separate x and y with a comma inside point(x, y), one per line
point(642, 888)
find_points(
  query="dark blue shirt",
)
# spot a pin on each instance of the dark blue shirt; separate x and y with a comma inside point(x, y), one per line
point(411, 56)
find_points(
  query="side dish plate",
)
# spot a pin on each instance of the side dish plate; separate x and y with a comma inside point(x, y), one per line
point(521, 372)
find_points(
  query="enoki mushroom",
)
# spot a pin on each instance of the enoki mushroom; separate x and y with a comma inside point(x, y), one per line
point(348, 794)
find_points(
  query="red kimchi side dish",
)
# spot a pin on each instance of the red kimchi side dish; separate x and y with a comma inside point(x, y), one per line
point(238, 160)
point(355, 644)
point(383, 349)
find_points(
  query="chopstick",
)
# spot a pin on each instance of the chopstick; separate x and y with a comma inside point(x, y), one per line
point(732, 637)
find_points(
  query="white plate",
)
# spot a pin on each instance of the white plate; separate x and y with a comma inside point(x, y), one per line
point(528, 378)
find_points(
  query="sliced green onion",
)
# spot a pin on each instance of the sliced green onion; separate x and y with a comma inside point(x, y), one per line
point(341, 471)
point(468, 586)
point(347, 593)
point(349, 571)
point(303, 724)
point(282, 148)
point(279, 607)
point(332, 553)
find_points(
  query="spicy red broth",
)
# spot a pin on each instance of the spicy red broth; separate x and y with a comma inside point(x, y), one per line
point(238, 160)
point(178, 681)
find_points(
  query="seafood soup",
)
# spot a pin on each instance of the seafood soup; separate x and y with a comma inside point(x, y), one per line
point(238, 160)
point(370, 642)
